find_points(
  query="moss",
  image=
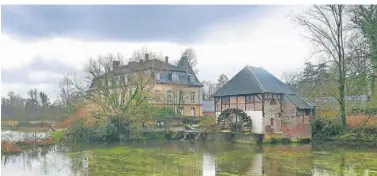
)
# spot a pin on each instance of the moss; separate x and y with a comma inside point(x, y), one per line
point(57, 135)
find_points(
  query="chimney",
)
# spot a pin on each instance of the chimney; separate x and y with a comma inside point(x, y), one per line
point(146, 57)
point(166, 59)
point(115, 64)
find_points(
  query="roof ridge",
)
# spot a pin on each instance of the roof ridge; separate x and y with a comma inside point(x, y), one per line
point(259, 84)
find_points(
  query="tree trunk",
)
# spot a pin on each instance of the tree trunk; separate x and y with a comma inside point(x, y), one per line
point(374, 77)
point(342, 103)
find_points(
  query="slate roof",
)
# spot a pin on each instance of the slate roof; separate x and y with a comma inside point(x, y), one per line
point(300, 102)
point(208, 106)
point(183, 69)
point(252, 80)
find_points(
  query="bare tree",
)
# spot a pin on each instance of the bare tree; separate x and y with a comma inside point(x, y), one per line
point(121, 92)
point(209, 88)
point(326, 27)
point(291, 79)
point(190, 54)
point(223, 79)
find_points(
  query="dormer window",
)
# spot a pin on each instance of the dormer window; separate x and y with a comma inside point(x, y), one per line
point(191, 78)
point(174, 77)
point(157, 76)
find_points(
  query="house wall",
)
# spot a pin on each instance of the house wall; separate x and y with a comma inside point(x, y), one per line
point(293, 124)
point(160, 98)
point(279, 117)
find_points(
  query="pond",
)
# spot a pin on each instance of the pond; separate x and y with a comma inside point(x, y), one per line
point(191, 158)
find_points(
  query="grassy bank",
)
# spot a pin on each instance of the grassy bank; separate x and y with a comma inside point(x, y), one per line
point(325, 130)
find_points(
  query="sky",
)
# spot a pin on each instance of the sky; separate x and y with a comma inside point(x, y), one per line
point(41, 43)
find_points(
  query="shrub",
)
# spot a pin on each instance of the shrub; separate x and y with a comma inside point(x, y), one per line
point(115, 129)
point(318, 125)
point(332, 130)
point(208, 123)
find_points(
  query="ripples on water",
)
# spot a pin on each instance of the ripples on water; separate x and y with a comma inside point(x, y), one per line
point(191, 158)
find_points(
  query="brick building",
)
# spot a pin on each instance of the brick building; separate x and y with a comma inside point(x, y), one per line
point(272, 106)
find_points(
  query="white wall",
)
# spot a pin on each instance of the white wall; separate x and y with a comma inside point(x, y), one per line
point(257, 119)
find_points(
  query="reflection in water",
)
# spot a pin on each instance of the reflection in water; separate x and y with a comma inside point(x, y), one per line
point(187, 158)
point(209, 165)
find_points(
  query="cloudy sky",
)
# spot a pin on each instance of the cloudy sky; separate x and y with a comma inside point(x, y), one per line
point(40, 43)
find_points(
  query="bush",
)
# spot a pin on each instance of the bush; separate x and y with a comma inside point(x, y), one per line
point(332, 130)
point(114, 129)
point(318, 125)
point(207, 123)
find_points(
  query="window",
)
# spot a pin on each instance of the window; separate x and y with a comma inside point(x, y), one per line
point(174, 77)
point(225, 100)
point(307, 112)
point(192, 111)
point(191, 78)
point(180, 110)
point(169, 94)
point(192, 97)
point(157, 76)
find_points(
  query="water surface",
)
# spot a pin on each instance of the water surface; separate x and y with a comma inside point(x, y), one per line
point(191, 158)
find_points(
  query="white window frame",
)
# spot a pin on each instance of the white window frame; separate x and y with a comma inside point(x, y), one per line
point(174, 77)
point(169, 95)
point(157, 76)
point(192, 111)
point(191, 78)
point(192, 97)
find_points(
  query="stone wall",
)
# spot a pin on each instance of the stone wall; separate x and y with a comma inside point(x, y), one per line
point(272, 113)
point(294, 126)
point(278, 118)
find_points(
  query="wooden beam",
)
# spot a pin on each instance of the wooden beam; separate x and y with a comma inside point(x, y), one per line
point(229, 102)
point(263, 104)
point(245, 102)
point(214, 99)
point(258, 97)
point(254, 101)
point(237, 102)
point(221, 104)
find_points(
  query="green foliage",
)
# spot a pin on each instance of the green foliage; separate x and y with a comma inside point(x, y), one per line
point(326, 130)
point(165, 112)
point(207, 123)
point(57, 135)
point(114, 129)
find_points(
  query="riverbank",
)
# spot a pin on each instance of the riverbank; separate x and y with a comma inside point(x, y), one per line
point(17, 141)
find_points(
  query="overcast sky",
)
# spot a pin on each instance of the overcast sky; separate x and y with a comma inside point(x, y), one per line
point(40, 43)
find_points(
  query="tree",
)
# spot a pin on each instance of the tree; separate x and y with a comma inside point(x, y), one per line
point(120, 93)
point(291, 79)
point(364, 18)
point(325, 24)
point(209, 88)
point(223, 79)
point(45, 101)
point(190, 54)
